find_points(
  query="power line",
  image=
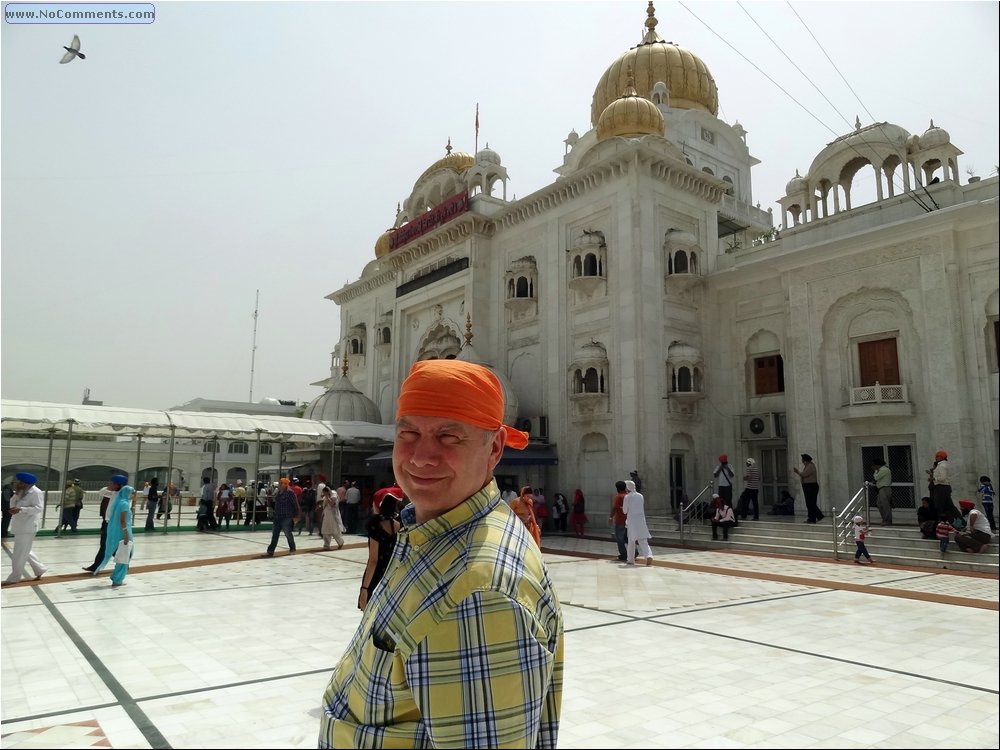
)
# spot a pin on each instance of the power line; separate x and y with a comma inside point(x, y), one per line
point(784, 91)
point(855, 93)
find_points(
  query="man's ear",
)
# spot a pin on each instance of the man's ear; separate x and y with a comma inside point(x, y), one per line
point(496, 448)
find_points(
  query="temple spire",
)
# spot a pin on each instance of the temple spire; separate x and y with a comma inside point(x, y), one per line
point(651, 36)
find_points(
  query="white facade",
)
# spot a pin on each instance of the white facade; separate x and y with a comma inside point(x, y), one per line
point(648, 316)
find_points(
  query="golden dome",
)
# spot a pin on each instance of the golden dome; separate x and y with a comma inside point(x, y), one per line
point(382, 243)
point(456, 161)
point(690, 83)
point(630, 115)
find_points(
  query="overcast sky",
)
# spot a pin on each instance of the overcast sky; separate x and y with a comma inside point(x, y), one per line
point(150, 189)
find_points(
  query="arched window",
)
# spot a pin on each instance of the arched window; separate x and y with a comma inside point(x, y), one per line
point(265, 449)
point(680, 262)
point(708, 170)
point(211, 446)
point(510, 289)
point(239, 447)
point(694, 262)
point(683, 380)
point(386, 335)
point(591, 266)
point(730, 190)
point(523, 288)
point(577, 267)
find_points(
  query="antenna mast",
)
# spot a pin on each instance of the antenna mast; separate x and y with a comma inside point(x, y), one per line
point(253, 349)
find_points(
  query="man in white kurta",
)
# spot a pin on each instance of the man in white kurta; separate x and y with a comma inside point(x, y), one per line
point(26, 516)
point(635, 523)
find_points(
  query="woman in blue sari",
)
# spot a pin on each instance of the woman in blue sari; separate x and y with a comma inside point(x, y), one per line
point(119, 528)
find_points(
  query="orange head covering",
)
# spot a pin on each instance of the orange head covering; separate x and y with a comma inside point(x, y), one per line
point(457, 390)
point(941, 455)
point(283, 481)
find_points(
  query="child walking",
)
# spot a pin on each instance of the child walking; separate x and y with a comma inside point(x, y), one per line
point(860, 534)
point(986, 495)
point(944, 531)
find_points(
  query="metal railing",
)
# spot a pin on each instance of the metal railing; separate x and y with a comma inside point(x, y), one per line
point(842, 522)
point(685, 510)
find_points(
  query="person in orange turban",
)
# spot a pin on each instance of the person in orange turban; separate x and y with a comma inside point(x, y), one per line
point(450, 434)
point(461, 643)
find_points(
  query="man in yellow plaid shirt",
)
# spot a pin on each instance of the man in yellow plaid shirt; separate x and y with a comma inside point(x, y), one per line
point(461, 644)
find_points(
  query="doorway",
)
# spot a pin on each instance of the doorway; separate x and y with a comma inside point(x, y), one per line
point(677, 480)
point(773, 475)
point(899, 458)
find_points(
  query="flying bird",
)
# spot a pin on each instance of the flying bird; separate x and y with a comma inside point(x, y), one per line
point(73, 50)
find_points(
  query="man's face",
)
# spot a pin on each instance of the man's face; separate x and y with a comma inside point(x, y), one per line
point(20, 486)
point(440, 462)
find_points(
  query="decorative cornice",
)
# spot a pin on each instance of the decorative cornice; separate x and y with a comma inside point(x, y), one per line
point(468, 225)
point(679, 173)
point(362, 286)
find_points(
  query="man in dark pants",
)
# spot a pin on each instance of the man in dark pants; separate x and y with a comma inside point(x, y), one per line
point(724, 480)
point(618, 519)
point(286, 511)
point(8, 493)
point(106, 494)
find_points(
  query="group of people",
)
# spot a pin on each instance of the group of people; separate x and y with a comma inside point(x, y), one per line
point(557, 517)
point(27, 503)
point(628, 516)
point(748, 502)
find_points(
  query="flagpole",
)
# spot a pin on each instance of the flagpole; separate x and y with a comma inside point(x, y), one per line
point(477, 131)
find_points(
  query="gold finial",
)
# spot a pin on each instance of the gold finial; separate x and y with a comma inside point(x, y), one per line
point(857, 123)
point(651, 36)
point(343, 367)
point(629, 83)
point(932, 123)
point(398, 207)
point(468, 329)
point(447, 149)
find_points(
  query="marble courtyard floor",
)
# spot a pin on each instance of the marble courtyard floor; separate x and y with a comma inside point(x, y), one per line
point(210, 646)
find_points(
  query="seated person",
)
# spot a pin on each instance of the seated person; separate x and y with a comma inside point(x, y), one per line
point(724, 518)
point(927, 518)
point(785, 505)
point(977, 533)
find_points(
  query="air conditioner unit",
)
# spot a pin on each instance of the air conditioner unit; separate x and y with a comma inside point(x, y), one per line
point(536, 427)
point(763, 426)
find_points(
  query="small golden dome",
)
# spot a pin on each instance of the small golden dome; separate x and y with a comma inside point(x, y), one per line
point(382, 243)
point(630, 115)
point(690, 83)
point(456, 161)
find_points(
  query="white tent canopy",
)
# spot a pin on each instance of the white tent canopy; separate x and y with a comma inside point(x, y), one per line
point(112, 420)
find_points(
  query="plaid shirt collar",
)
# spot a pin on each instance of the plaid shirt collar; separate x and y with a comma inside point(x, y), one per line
point(470, 510)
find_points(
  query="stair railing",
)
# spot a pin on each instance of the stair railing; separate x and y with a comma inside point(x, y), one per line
point(842, 523)
point(685, 509)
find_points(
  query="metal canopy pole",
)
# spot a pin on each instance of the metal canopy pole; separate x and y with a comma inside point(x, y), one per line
point(69, 441)
point(48, 471)
point(215, 448)
point(170, 473)
point(135, 476)
point(251, 502)
point(138, 455)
